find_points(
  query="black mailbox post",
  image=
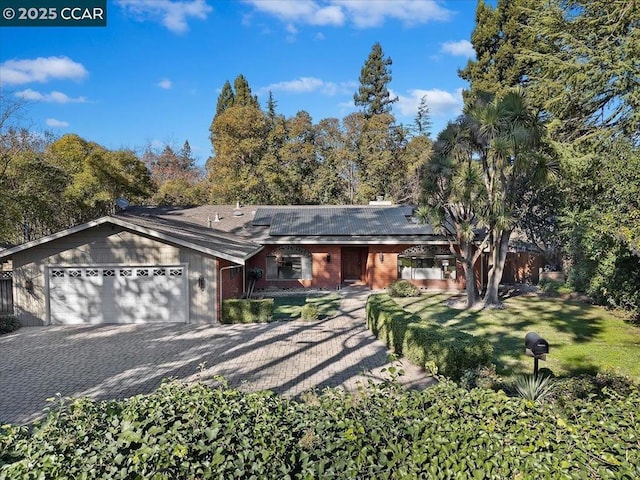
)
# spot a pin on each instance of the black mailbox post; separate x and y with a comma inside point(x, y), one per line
point(536, 347)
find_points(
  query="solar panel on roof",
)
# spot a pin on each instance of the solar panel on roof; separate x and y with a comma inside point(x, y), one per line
point(337, 221)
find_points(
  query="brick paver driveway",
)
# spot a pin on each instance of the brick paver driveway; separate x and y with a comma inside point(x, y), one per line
point(115, 361)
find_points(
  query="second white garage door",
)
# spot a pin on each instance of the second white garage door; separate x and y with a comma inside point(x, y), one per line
point(106, 294)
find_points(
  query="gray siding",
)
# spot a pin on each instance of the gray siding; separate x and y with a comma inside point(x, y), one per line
point(107, 244)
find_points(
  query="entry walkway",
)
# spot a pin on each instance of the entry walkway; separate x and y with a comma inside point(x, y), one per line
point(116, 361)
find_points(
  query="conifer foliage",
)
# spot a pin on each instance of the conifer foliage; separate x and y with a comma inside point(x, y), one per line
point(373, 94)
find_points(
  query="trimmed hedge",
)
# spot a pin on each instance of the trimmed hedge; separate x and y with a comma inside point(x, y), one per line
point(452, 351)
point(382, 432)
point(403, 288)
point(247, 311)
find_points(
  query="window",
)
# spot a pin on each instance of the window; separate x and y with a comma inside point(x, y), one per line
point(427, 263)
point(289, 263)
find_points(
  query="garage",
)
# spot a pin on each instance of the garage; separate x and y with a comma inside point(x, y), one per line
point(117, 294)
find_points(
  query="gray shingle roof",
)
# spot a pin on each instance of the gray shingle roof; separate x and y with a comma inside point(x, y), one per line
point(227, 246)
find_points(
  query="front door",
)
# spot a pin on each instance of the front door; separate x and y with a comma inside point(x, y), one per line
point(353, 261)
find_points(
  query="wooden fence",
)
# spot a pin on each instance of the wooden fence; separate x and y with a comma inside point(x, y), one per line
point(6, 292)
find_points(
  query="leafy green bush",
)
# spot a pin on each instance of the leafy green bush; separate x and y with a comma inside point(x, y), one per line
point(8, 324)
point(422, 342)
point(555, 287)
point(382, 432)
point(482, 377)
point(403, 288)
point(309, 311)
point(247, 311)
point(568, 389)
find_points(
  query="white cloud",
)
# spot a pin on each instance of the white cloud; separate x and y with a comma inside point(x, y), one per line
point(360, 13)
point(462, 48)
point(52, 97)
point(309, 84)
point(367, 14)
point(165, 83)
point(441, 103)
point(172, 14)
point(302, 11)
point(41, 69)
point(52, 122)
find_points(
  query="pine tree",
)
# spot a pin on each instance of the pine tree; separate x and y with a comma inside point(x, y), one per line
point(423, 118)
point(225, 99)
point(373, 95)
point(186, 156)
point(243, 94)
point(499, 37)
point(271, 108)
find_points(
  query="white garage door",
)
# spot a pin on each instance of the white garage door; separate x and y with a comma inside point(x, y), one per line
point(117, 295)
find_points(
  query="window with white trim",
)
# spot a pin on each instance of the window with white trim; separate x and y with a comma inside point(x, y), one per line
point(427, 263)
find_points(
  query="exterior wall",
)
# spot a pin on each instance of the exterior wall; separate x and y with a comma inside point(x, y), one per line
point(231, 283)
point(326, 274)
point(107, 244)
point(381, 272)
point(378, 272)
point(522, 267)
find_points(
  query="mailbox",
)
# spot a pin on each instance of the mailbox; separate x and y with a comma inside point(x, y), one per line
point(535, 345)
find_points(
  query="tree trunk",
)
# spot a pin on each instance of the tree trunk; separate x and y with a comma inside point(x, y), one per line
point(469, 275)
point(499, 254)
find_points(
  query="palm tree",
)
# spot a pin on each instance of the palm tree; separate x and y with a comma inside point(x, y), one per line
point(515, 160)
point(455, 198)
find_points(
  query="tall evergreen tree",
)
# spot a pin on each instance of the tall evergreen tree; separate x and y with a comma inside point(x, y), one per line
point(271, 108)
point(239, 140)
point(423, 118)
point(499, 37)
point(373, 95)
point(586, 68)
point(243, 94)
point(225, 99)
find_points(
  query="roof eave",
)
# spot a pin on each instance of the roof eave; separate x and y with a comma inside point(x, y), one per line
point(129, 226)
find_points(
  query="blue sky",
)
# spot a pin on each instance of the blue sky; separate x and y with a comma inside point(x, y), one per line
point(153, 75)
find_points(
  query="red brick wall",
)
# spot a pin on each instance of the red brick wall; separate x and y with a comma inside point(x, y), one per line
point(326, 274)
point(378, 273)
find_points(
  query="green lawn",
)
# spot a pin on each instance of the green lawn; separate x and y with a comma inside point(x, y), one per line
point(583, 338)
point(288, 308)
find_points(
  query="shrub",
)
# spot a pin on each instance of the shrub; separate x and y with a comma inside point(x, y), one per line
point(8, 324)
point(585, 386)
point(381, 432)
point(247, 311)
point(482, 377)
point(555, 287)
point(422, 342)
point(403, 288)
point(309, 311)
point(533, 388)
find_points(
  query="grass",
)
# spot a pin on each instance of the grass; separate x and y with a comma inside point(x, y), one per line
point(289, 307)
point(583, 338)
